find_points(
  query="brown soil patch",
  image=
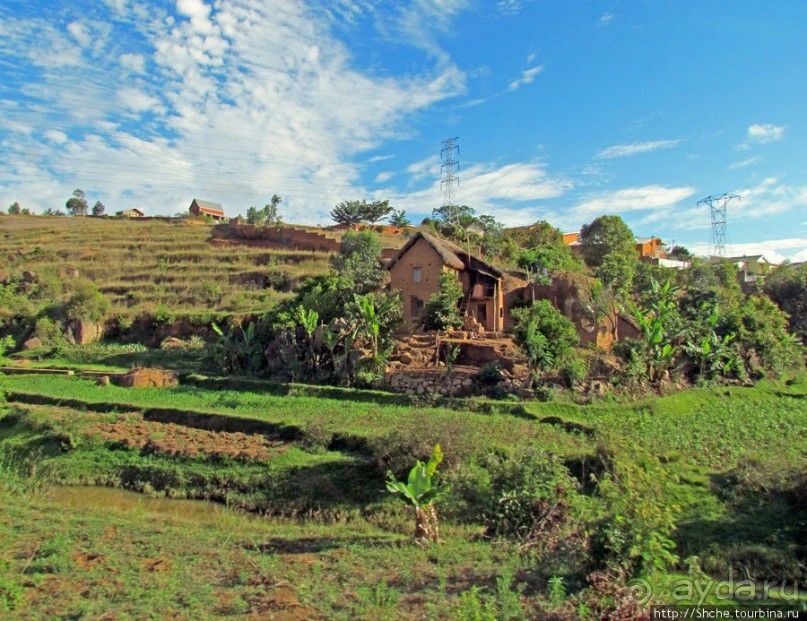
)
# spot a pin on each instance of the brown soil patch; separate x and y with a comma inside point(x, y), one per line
point(143, 378)
point(91, 560)
point(280, 603)
point(178, 440)
point(156, 564)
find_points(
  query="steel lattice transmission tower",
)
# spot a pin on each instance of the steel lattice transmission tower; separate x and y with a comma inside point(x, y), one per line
point(448, 170)
point(717, 207)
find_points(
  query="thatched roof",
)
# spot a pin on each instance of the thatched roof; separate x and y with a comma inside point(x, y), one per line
point(450, 254)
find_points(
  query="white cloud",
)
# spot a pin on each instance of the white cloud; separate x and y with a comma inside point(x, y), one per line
point(225, 112)
point(744, 163)
point(384, 177)
point(380, 158)
point(429, 166)
point(606, 18)
point(138, 101)
point(134, 62)
point(510, 7)
point(55, 136)
point(774, 250)
point(489, 189)
point(628, 150)
point(767, 198)
point(651, 197)
point(765, 132)
point(80, 33)
point(527, 77)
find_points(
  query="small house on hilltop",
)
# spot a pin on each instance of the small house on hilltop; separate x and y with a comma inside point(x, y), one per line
point(131, 213)
point(200, 209)
point(415, 271)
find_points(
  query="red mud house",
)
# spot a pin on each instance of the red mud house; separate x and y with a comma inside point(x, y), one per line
point(415, 272)
point(200, 209)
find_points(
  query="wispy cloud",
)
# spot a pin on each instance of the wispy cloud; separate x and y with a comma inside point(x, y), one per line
point(651, 197)
point(635, 148)
point(510, 7)
point(527, 77)
point(606, 19)
point(744, 163)
point(380, 158)
point(765, 132)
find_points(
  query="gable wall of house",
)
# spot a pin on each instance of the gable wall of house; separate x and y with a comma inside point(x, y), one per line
point(415, 295)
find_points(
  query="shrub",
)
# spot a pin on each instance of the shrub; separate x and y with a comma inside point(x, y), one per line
point(508, 492)
point(6, 343)
point(490, 375)
point(86, 302)
point(163, 314)
point(573, 369)
point(442, 311)
point(48, 331)
point(635, 537)
point(544, 335)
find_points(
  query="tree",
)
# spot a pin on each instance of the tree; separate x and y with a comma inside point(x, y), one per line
point(544, 335)
point(679, 253)
point(376, 211)
point(359, 260)
point(77, 205)
point(455, 214)
point(98, 209)
point(268, 215)
point(348, 213)
point(541, 262)
point(787, 286)
point(14, 209)
point(398, 218)
point(608, 248)
point(442, 311)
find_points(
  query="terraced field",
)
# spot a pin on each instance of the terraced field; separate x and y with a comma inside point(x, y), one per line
point(725, 465)
point(143, 265)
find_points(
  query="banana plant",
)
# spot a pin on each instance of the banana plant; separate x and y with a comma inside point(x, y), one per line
point(421, 490)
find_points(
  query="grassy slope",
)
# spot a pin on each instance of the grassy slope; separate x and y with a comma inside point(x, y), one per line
point(711, 442)
point(139, 265)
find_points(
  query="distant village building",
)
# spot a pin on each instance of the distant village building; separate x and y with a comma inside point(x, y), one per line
point(131, 213)
point(648, 249)
point(750, 268)
point(201, 209)
point(415, 271)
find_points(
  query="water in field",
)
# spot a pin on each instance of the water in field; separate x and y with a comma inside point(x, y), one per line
point(123, 501)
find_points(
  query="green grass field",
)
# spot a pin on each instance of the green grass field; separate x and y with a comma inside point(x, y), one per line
point(727, 464)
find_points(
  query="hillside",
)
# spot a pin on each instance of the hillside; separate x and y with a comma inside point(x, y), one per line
point(142, 265)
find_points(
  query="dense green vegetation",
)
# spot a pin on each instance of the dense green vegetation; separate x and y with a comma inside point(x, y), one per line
point(552, 507)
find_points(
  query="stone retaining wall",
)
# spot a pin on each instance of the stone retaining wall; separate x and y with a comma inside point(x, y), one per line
point(431, 381)
point(288, 236)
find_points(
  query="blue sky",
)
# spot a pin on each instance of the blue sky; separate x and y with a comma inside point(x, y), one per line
point(564, 110)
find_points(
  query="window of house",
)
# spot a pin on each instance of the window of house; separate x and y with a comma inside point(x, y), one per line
point(416, 274)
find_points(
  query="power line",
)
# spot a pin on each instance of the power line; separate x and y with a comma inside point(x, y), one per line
point(718, 209)
point(447, 170)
